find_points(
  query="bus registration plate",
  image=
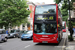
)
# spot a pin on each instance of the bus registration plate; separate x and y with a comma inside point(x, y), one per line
point(44, 41)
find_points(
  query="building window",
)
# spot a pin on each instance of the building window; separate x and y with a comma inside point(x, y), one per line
point(74, 10)
point(28, 26)
point(74, 4)
point(23, 26)
point(27, 8)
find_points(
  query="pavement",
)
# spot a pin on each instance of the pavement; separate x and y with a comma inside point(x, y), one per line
point(71, 44)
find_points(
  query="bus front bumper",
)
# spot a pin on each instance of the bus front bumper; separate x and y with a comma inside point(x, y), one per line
point(45, 40)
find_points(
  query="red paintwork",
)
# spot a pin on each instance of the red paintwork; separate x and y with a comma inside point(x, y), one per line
point(33, 18)
point(51, 38)
point(57, 17)
point(64, 30)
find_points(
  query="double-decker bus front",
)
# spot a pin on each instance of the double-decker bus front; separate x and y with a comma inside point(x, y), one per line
point(45, 29)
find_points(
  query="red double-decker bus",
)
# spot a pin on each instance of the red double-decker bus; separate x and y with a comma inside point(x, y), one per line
point(47, 24)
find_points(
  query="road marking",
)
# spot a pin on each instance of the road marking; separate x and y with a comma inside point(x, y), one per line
point(64, 41)
point(26, 46)
point(59, 46)
point(70, 48)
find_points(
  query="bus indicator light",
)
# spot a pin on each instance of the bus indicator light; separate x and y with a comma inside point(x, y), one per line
point(57, 39)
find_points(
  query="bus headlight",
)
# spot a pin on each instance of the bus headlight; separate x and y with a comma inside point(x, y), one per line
point(35, 37)
point(54, 37)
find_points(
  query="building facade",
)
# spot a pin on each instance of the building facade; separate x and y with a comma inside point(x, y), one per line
point(30, 18)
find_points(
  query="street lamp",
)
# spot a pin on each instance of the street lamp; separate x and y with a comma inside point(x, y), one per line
point(70, 25)
point(69, 14)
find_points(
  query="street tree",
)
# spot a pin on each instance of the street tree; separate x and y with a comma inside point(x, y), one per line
point(57, 1)
point(67, 5)
point(64, 11)
point(64, 8)
point(14, 12)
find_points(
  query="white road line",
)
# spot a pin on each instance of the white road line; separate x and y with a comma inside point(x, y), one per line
point(64, 41)
point(26, 46)
point(59, 46)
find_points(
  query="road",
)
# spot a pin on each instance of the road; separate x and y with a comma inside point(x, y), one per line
point(17, 44)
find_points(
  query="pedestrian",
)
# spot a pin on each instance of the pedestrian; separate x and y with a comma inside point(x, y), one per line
point(7, 31)
point(74, 30)
point(71, 33)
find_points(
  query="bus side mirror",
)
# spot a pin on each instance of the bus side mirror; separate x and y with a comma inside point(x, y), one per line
point(58, 25)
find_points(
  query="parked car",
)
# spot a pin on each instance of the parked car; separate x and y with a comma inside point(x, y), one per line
point(28, 35)
point(3, 35)
point(21, 32)
point(13, 33)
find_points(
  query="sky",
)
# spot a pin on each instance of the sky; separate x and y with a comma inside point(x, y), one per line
point(40, 1)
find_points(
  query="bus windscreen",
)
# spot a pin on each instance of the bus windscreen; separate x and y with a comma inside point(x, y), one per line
point(45, 28)
point(45, 9)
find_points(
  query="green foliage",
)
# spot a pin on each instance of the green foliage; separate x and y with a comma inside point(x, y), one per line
point(14, 12)
point(64, 8)
point(57, 1)
point(73, 23)
point(70, 38)
point(73, 0)
point(64, 12)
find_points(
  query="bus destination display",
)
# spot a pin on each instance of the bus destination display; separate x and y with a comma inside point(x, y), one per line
point(52, 18)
